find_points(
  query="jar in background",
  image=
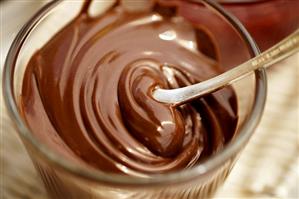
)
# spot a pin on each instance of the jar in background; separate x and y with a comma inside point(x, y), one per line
point(268, 21)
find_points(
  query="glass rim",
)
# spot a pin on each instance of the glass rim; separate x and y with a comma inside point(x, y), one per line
point(92, 174)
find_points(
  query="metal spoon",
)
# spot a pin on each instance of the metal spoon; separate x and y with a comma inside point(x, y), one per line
point(278, 52)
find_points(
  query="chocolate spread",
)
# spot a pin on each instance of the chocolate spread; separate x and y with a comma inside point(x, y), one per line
point(90, 87)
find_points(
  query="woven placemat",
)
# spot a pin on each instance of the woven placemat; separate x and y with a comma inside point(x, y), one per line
point(268, 167)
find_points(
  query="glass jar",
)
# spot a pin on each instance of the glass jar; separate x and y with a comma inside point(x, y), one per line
point(64, 178)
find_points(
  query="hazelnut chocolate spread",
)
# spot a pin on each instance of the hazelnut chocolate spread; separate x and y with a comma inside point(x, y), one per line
point(91, 85)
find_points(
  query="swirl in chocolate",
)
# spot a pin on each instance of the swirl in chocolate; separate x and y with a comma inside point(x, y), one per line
point(90, 88)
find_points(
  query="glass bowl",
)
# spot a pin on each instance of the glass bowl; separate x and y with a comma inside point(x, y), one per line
point(65, 179)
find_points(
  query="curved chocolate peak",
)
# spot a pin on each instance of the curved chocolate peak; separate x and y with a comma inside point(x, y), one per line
point(163, 133)
point(91, 85)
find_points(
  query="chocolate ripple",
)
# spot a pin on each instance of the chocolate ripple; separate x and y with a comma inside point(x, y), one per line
point(90, 88)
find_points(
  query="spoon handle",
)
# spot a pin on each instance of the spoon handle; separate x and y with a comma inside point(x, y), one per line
point(278, 52)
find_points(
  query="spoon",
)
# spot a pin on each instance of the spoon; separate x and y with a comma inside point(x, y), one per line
point(278, 52)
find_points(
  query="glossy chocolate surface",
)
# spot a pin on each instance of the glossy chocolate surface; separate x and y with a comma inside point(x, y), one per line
point(90, 88)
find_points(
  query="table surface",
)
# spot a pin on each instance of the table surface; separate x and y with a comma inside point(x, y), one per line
point(268, 167)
